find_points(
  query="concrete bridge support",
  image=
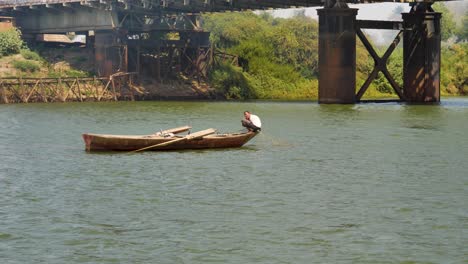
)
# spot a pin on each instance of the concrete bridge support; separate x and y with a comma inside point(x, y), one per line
point(421, 52)
point(337, 55)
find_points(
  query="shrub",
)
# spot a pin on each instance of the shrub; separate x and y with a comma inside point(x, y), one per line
point(10, 42)
point(26, 65)
point(77, 73)
point(68, 73)
point(30, 55)
point(231, 82)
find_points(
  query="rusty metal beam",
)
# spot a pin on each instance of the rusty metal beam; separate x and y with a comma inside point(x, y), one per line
point(379, 24)
point(380, 65)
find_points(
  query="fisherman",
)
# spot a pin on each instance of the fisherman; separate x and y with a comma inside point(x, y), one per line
point(251, 122)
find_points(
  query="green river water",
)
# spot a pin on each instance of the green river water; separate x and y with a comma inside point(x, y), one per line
point(367, 183)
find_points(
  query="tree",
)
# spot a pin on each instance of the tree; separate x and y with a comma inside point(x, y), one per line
point(295, 43)
point(278, 57)
point(447, 24)
point(228, 30)
point(454, 73)
point(462, 32)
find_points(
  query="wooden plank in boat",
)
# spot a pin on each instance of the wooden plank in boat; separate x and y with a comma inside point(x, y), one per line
point(195, 135)
point(175, 130)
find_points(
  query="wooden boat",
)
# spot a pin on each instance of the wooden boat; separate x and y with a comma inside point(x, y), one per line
point(166, 140)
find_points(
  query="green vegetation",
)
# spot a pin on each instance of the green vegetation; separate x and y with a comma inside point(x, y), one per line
point(10, 42)
point(454, 71)
point(462, 31)
point(230, 81)
point(30, 55)
point(67, 73)
point(278, 58)
point(18, 60)
point(26, 66)
point(447, 24)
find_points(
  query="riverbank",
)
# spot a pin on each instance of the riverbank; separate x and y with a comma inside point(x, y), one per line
point(226, 82)
point(118, 87)
point(55, 75)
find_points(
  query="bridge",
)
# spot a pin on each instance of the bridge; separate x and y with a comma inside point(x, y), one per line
point(176, 6)
point(61, 16)
point(126, 33)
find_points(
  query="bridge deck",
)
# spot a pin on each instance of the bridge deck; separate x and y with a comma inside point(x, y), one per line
point(182, 5)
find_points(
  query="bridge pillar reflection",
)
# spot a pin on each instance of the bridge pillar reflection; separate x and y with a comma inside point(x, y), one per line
point(337, 55)
point(421, 54)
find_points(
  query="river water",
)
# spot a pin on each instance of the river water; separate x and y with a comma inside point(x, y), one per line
point(367, 183)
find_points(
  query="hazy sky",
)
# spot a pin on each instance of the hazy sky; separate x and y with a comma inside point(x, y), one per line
point(381, 11)
point(378, 11)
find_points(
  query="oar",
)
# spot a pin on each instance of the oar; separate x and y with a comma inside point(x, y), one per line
point(195, 135)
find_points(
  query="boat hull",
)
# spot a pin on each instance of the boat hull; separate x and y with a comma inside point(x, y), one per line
point(99, 142)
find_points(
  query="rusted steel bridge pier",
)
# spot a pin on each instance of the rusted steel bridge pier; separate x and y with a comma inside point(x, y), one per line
point(338, 28)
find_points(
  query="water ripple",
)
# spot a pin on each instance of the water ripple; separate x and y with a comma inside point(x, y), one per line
point(321, 184)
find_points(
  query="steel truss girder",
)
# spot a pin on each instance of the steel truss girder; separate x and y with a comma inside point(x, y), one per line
point(150, 22)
